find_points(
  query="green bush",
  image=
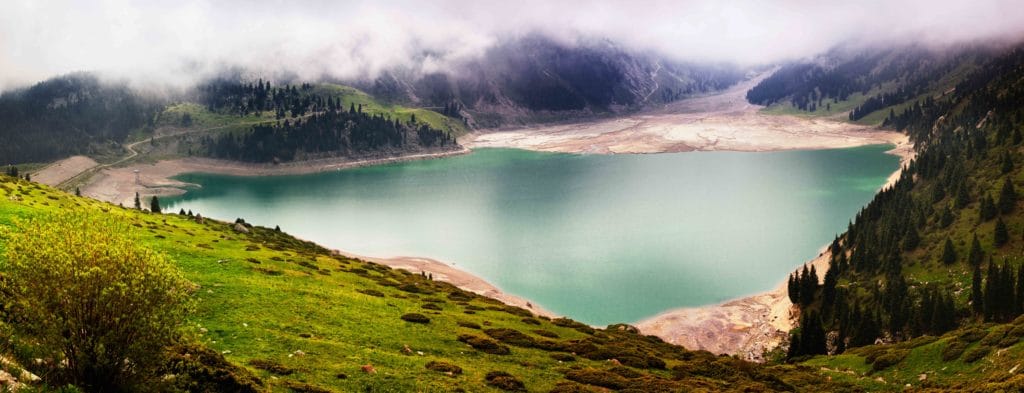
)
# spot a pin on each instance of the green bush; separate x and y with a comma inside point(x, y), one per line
point(976, 353)
point(953, 350)
point(484, 345)
point(511, 337)
point(504, 381)
point(973, 335)
point(888, 359)
point(994, 336)
point(444, 367)
point(415, 318)
point(93, 301)
point(602, 378)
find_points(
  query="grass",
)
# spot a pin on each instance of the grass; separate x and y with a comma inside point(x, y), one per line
point(265, 298)
point(351, 95)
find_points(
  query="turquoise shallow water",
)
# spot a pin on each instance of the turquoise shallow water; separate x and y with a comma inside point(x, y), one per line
point(601, 238)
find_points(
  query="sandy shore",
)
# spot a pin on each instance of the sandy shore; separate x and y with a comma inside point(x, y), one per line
point(444, 272)
point(119, 185)
point(60, 171)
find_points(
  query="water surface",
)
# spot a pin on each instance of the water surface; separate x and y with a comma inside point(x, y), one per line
point(601, 238)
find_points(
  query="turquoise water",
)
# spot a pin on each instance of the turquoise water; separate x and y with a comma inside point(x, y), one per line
point(600, 238)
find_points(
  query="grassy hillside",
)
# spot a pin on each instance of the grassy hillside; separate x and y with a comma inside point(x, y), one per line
point(983, 358)
point(303, 319)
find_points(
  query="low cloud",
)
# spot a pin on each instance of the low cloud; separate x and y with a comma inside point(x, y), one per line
point(179, 41)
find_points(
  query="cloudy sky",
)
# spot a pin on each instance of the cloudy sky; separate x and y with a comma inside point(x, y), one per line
point(176, 41)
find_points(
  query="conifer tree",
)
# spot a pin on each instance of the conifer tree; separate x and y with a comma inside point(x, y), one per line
point(138, 204)
point(948, 252)
point(946, 218)
point(154, 205)
point(1007, 197)
point(912, 239)
point(1007, 164)
point(78, 191)
point(976, 254)
point(1001, 234)
point(987, 211)
point(977, 300)
point(963, 197)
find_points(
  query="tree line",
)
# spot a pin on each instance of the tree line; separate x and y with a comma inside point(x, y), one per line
point(326, 129)
point(954, 207)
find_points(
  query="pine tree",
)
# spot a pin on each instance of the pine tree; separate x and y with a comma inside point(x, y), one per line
point(963, 197)
point(976, 254)
point(1007, 197)
point(793, 289)
point(78, 191)
point(1001, 235)
point(987, 211)
point(912, 239)
point(1007, 164)
point(138, 204)
point(948, 252)
point(946, 218)
point(977, 300)
point(181, 212)
point(28, 177)
point(154, 204)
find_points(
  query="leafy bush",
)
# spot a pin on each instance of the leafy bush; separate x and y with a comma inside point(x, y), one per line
point(484, 345)
point(200, 369)
point(444, 367)
point(271, 366)
point(953, 350)
point(973, 335)
point(415, 318)
point(976, 353)
point(100, 307)
point(470, 325)
point(602, 378)
point(888, 359)
point(511, 337)
point(504, 381)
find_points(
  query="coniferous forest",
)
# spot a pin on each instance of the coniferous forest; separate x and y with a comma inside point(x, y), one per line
point(954, 209)
point(309, 124)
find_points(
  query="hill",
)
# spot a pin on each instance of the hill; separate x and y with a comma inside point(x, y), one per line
point(301, 318)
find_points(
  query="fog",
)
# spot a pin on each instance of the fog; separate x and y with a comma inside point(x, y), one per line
point(179, 41)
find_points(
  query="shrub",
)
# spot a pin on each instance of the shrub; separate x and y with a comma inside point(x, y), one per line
point(511, 337)
point(90, 298)
point(976, 353)
point(415, 318)
point(484, 345)
point(563, 357)
point(953, 350)
point(972, 335)
point(444, 367)
point(200, 369)
point(994, 336)
point(371, 292)
point(504, 381)
point(602, 378)
point(271, 366)
point(571, 387)
point(431, 306)
point(888, 359)
point(545, 333)
point(468, 324)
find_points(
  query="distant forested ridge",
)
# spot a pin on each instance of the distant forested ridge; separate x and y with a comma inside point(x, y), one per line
point(879, 77)
point(310, 125)
point(68, 115)
point(940, 248)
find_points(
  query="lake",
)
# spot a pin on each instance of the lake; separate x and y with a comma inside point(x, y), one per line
point(599, 238)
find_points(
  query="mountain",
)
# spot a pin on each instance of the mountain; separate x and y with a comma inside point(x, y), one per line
point(930, 268)
point(535, 79)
